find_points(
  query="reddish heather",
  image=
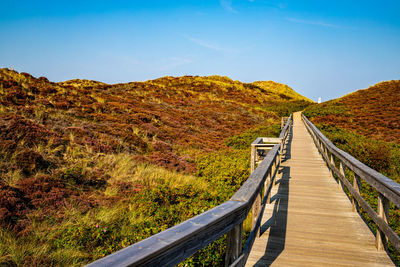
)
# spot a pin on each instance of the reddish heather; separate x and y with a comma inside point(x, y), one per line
point(164, 121)
point(373, 112)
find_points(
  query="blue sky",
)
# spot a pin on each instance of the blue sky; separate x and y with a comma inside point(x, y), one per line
point(319, 48)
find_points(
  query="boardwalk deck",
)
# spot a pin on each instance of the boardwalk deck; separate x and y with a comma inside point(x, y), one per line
point(310, 221)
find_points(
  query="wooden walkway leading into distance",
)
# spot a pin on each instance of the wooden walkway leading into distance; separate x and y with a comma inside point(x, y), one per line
point(310, 221)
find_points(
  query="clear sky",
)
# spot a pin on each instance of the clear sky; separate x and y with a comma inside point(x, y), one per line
point(319, 48)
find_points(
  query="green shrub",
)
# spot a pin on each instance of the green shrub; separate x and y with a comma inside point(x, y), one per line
point(244, 140)
point(285, 108)
point(379, 155)
point(324, 109)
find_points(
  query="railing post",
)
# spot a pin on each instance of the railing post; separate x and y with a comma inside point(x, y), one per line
point(357, 187)
point(253, 158)
point(332, 171)
point(255, 210)
point(274, 169)
point(233, 244)
point(327, 156)
point(269, 179)
point(325, 152)
point(329, 167)
point(383, 212)
point(342, 169)
point(332, 160)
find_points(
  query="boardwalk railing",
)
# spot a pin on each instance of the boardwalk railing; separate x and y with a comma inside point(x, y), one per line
point(177, 243)
point(388, 190)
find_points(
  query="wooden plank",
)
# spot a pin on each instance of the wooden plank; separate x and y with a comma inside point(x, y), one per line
point(273, 140)
point(257, 141)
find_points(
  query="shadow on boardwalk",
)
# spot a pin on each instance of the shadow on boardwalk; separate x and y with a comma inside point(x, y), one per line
point(278, 222)
point(287, 153)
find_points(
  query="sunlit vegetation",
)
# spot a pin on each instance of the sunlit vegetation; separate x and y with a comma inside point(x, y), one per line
point(366, 124)
point(282, 90)
point(87, 168)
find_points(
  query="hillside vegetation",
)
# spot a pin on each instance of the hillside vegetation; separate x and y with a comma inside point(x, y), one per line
point(366, 124)
point(87, 168)
point(283, 90)
point(372, 112)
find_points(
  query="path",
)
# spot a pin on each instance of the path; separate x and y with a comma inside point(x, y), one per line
point(310, 221)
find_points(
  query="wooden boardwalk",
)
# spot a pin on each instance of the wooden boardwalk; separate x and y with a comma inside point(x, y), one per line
point(310, 221)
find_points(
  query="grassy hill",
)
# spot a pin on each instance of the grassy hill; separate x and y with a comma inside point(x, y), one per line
point(366, 124)
point(87, 168)
point(372, 112)
point(280, 89)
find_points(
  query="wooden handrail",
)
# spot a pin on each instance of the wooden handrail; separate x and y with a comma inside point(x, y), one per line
point(177, 243)
point(388, 190)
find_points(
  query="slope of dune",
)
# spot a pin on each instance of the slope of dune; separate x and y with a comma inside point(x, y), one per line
point(373, 112)
point(87, 168)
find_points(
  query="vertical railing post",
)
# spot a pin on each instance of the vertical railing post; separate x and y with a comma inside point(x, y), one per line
point(269, 179)
point(342, 169)
point(332, 172)
point(332, 159)
point(255, 210)
point(383, 212)
point(274, 169)
point(328, 164)
point(253, 158)
point(357, 187)
point(326, 155)
point(233, 244)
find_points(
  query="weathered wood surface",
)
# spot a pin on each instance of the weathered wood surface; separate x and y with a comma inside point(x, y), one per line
point(310, 221)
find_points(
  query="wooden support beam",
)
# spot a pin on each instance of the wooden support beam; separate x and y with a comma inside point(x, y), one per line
point(357, 187)
point(233, 244)
point(332, 160)
point(253, 158)
point(255, 210)
point(342, 169)
point(273, 171)
point(383, 212)
point(269, 179)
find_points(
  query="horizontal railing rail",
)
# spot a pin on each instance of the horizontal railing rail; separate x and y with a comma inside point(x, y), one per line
point(388, 190)
point(177, 243)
